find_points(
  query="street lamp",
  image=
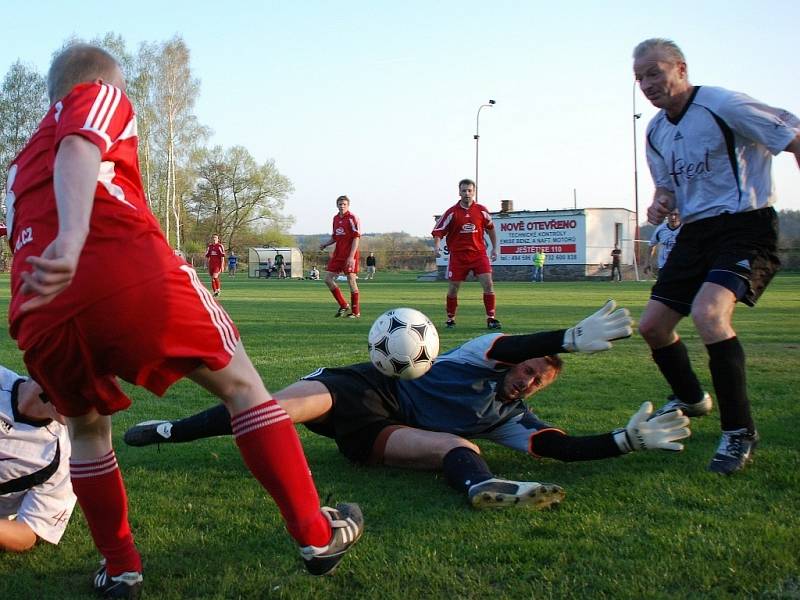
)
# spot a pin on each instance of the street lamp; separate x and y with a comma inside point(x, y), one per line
point(636, 117)
point(477, 139)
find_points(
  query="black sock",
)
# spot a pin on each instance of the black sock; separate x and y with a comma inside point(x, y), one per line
point(673, 361)
point(463, 467)
point(211, 422)
point(726, 363)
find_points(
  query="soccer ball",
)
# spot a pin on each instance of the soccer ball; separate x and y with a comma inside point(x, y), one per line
point(403, 343)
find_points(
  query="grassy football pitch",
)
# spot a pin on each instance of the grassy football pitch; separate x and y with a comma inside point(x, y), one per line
point(646, 525)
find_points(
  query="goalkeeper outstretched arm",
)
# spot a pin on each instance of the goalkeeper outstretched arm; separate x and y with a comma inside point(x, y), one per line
point(593, 334)
point(660, 433)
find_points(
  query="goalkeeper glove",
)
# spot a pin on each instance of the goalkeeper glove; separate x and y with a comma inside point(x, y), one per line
point(661, 432)
point(596, 331)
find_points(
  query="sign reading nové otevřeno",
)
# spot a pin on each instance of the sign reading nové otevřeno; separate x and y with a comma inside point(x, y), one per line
point(561, 238)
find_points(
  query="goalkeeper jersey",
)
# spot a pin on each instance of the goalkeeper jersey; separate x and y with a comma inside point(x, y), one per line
point(459, 393)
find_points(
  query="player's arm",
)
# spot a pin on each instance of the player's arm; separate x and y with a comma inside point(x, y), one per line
point(493, 238)
point(75, 173)
point(351, 258)
point(794, 148)
point(327, 243)
point(593, 334)
point(16, 536)
point(641, 433)
point(436, 243)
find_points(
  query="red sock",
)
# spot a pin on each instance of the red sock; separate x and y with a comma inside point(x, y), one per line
point(356, 308)
point(489, 304)
point(101, 494)
point(452, 304)
point(271, 450)
point(337, 293)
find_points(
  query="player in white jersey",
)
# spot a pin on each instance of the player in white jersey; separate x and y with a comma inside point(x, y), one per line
point(663, 239)
point(36, 498)
point(709, 152)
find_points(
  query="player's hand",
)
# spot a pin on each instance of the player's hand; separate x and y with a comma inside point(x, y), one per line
point(659, 433)
point(52, 272)
point(437, 252)
point(663, 203)
point(493, 255)
point(596, 332)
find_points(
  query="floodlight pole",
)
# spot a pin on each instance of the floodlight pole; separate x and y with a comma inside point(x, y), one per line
point(477, 139)
point(636, 117)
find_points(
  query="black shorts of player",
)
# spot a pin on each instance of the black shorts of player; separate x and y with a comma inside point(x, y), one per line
point(364, 404)
point(735, 250)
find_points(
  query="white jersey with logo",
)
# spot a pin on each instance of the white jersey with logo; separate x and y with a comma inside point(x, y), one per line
point(28, 448)
point(664, 237)
point(717, 157)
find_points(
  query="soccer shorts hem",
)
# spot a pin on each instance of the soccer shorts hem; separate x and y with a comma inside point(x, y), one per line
point(737, 251)
point(462, 263)
point(77, 362)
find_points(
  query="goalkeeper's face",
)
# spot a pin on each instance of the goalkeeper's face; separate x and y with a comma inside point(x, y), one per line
point(527, 378)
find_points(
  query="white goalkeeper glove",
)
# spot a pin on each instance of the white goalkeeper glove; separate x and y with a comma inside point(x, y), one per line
point(596, 331)
point(660, 433)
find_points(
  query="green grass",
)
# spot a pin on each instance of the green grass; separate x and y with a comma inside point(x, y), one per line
point(648, 525)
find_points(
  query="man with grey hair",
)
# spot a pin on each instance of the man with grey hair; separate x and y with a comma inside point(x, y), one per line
point(76, 205)
point(709, 151)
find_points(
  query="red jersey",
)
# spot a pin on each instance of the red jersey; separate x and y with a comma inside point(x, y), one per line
point(125, 245)
point(464, 228)
point(215, 253)
point(346, 228)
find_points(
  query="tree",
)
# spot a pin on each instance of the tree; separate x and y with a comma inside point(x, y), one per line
point(23, 103)
point(176, 131)
point(236, 197)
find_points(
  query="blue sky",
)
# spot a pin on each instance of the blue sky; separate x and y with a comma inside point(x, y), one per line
point(378, 100)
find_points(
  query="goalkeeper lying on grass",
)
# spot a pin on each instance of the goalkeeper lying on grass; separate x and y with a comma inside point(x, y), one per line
point(475, 391)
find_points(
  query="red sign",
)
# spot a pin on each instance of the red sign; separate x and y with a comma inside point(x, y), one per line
point(550, 249)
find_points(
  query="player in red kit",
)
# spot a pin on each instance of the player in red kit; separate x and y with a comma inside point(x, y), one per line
point(464, 224)
point(346, 235)
point(215, 256)
point(97, 293)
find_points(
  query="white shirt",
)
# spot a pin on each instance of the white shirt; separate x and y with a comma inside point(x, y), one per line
point(26, 448)
point(717, 157)
point(665, 237)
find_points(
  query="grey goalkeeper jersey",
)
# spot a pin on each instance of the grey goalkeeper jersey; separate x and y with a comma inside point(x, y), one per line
point(717, 156)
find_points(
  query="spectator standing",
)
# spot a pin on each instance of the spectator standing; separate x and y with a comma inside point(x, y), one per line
point(371, 266)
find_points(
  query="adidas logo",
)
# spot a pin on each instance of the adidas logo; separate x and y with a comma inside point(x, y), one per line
point(744, 263)
point(678, 136)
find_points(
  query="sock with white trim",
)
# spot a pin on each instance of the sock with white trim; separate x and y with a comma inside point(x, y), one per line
point(271, 450)
point(98, 484)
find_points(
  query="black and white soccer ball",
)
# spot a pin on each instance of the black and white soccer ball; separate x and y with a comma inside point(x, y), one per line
point(403, 343)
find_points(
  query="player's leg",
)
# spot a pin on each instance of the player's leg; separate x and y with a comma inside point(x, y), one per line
point(451, 302)
point(98, 485)
point(355, 305)
point(658, 328)
point(304, 401)
point(330, 281)
point(271, 450)
point(489, 299)
point(463, 467)
point(63, 362)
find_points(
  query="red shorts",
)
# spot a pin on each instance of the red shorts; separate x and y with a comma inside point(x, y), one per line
point(462, 263)
point(150, 335)
point(214, 267)
point(339, 265)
